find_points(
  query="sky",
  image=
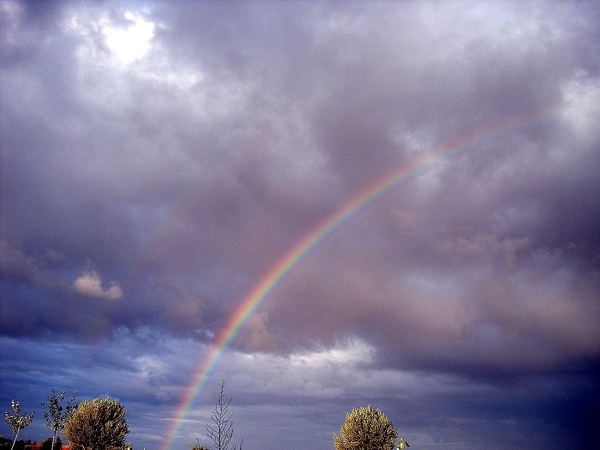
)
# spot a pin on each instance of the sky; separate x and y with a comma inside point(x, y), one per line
point(428, 171)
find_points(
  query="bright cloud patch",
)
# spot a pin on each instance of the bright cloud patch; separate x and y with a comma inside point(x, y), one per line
point(90, 283)
point(132, 43)
point(582, 100)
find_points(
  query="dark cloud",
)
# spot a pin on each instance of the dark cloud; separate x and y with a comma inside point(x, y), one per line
point(158, 160)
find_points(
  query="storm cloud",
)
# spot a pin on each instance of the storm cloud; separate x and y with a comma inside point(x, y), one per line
point(159, 158)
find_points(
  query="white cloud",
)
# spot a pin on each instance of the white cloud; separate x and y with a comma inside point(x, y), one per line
point(90, 283)
point(581, 107)
point(132, 43)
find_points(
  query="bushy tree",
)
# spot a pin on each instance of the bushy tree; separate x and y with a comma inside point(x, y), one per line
point(99, 424)
point(16, 421)
point(55, 417)
point(366, 429)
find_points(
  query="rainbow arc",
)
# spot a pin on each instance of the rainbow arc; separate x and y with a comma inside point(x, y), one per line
point(276, 275)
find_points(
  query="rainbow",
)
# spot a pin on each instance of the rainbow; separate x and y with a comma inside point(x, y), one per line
point(285, 265)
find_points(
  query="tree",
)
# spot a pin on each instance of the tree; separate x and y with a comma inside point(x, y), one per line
point(4, 443)
point(97, 425)
point(16, 421)
point(55, 417)
point(53, 443)
point(222, 432)
point(366, 429)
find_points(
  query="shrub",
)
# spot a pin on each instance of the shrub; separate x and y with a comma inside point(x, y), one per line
point(366, 429)
point(97, 425)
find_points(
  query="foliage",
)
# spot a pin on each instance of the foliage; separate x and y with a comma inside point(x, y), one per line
point(366, 429)
point(7, 444)
point(4, 443)
point(222, 432)
point(52, 443)
point(198, 446)
point(97, 425)
point(55, 418)
point(16, 421)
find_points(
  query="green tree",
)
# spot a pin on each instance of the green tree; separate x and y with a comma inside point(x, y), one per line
point(55, 418)
point(16, 421)
point(99, 424)
point(222, 432)
point(366, 429)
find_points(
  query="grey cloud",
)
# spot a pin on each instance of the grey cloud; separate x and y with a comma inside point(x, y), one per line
point(227, 194)
point(185, 175)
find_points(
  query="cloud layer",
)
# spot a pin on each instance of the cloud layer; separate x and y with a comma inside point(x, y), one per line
point(158, 160)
